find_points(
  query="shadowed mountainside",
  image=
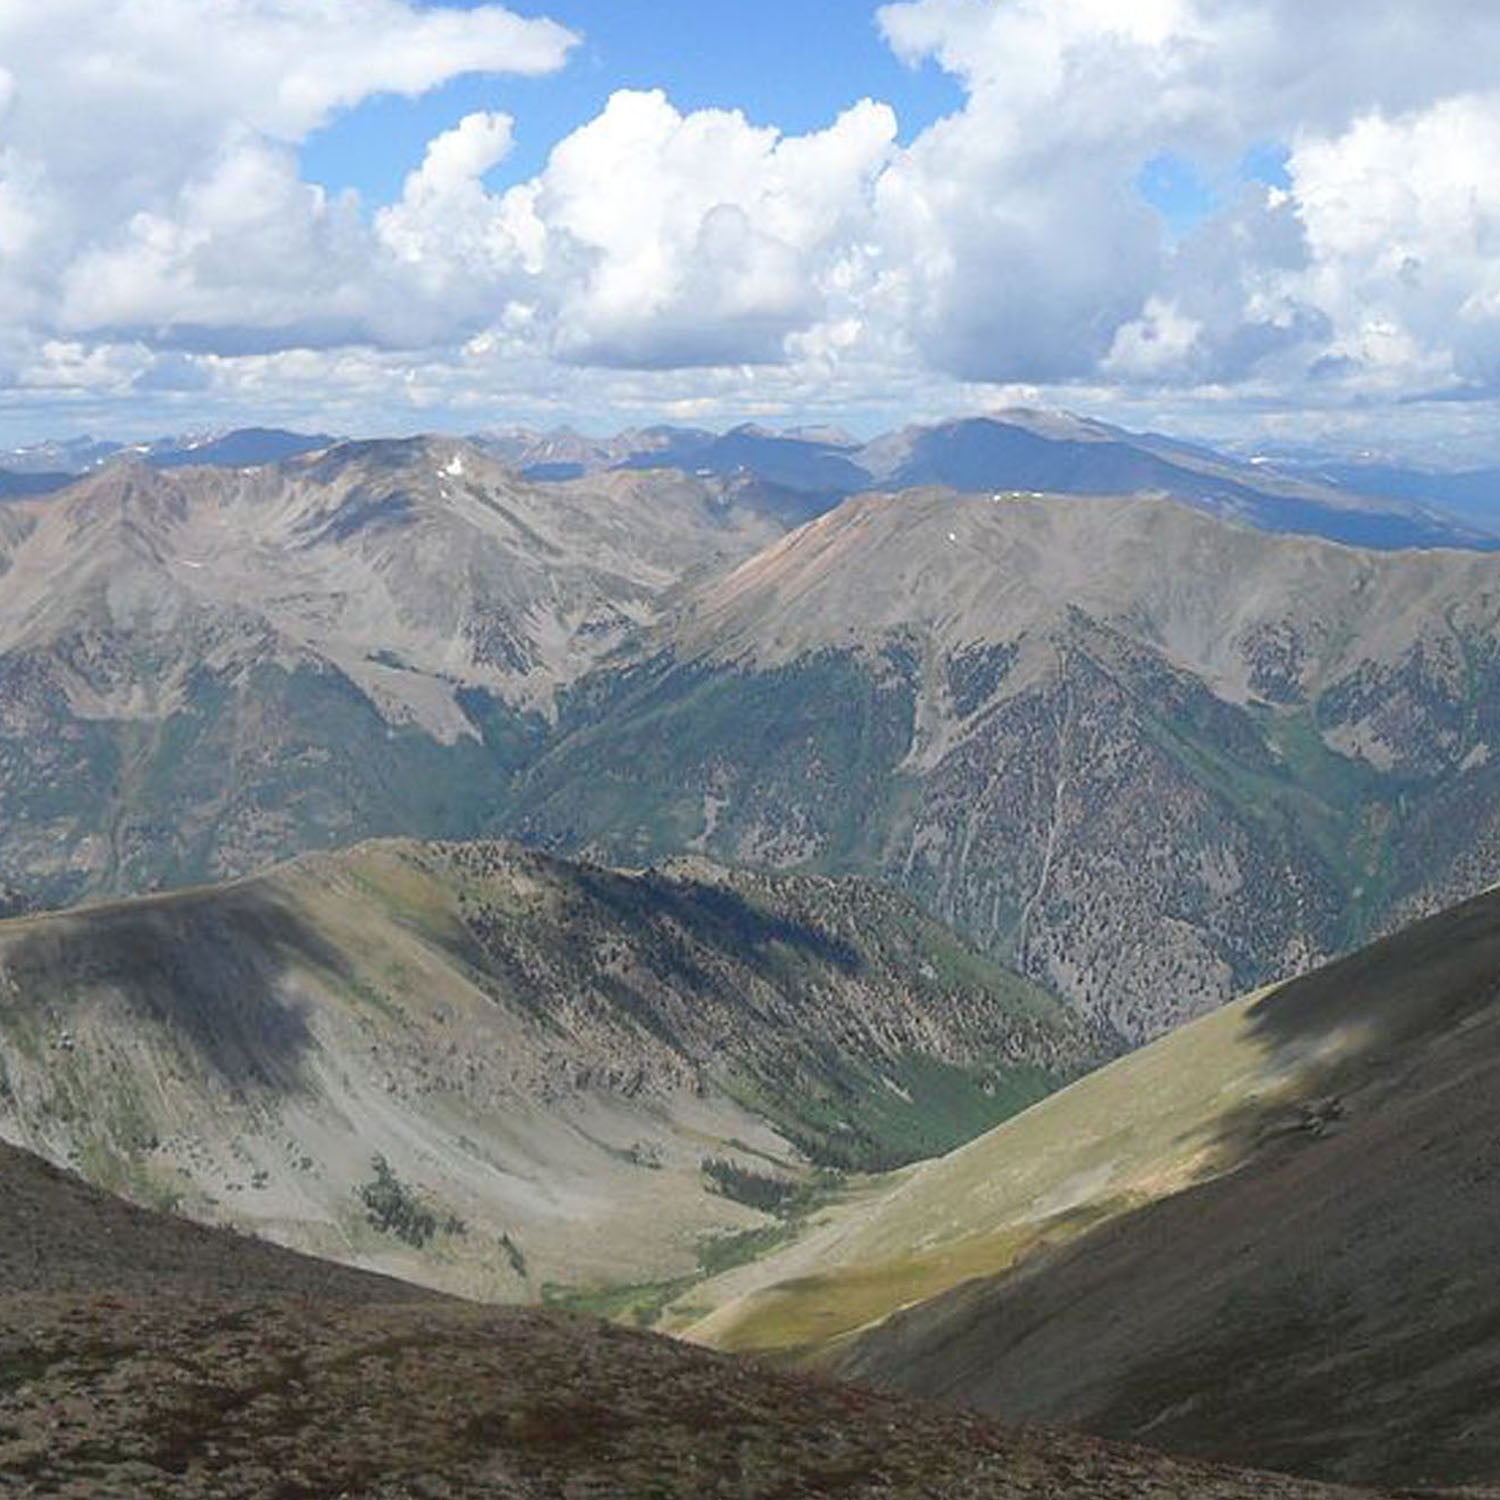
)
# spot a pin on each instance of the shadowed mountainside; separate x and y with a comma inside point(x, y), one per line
point(1285, 1249)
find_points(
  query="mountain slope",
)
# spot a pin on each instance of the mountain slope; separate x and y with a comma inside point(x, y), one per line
point(207, 669)
point(244, 447)
point(240, 447)
point(18, 486)
point(1273, 1232)
point(1056, 454)
point(1151, 758)
point(1473, 494)
point(142, 1356)
point(488, 1070)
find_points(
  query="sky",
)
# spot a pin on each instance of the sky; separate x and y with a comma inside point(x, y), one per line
point(1250, 221)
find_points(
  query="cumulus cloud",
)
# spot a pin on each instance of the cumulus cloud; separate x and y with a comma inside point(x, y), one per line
point(175, 242)
point(149, 178)
point(1031, 256)
point(1402, 219)
point(697, 239)
point(652, 238)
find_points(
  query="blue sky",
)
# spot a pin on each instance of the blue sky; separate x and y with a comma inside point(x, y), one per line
point(787, 63)
point(1246, 219)
point(792, 64)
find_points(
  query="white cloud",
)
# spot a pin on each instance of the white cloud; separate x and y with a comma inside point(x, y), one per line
point(661, 238)
point(280, 67)
point(1031, 256)
point(651, 238)
point(1158, 343)
point(1008, 244)
point(447, 231)
point(149, 178)
point(1402, 219)
point(247, 251)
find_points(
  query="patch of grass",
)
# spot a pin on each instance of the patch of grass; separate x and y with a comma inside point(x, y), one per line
point(798, 1319)
point(639, 1303)
point(1140, 1129)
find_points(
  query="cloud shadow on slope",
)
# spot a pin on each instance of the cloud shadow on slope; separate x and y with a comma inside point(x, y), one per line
point(207, 968)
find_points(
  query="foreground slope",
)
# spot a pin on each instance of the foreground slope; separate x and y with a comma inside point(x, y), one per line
point(1323, 1297)
point(1151, 758)
point(140, 1356)
point(501, 1073)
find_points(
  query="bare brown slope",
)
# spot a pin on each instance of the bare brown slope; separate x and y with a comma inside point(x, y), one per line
point(1332, 1307)
point(143, 1357)
point(206, 670)
point(1150, 758)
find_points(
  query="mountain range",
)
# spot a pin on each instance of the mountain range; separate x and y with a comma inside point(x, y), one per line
point(807, 470)
point(698, 1050)
point(1472, 494)
point(1045, 452)
point(238, 447)
point(202, 670)
point(1150, 756)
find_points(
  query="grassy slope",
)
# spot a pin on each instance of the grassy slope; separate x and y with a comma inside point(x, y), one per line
point(1147, 1126)
point(543, 1053)
point(1322, 1297)
point(1144, 1125)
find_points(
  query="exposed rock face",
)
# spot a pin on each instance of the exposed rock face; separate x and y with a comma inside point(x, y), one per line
point(207, 669)
point(493, 1071)
point(1152, 758)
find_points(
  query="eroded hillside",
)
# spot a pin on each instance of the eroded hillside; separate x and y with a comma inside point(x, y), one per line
point(489, 1070)
point(207, 669)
